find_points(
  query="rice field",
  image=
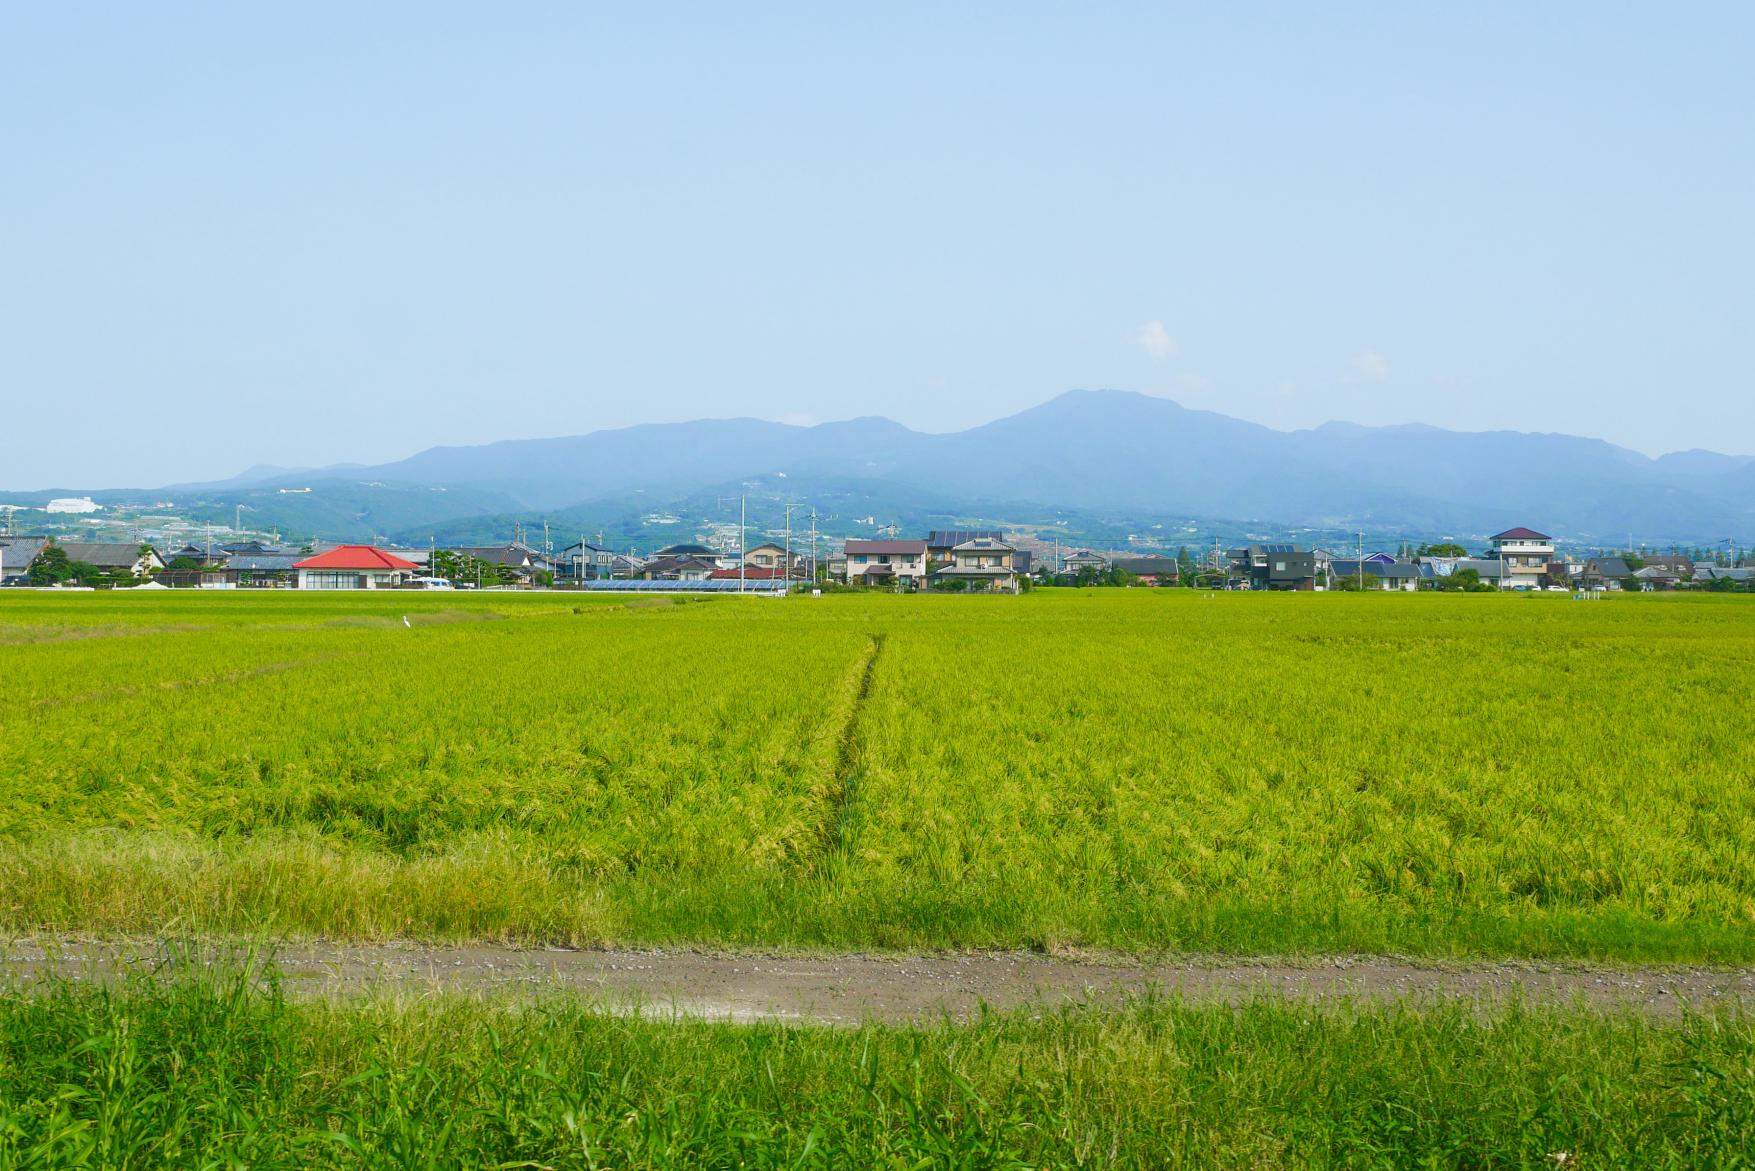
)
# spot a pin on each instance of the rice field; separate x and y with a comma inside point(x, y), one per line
point(1135, 770)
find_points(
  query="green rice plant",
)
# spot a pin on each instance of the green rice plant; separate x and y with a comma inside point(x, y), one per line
point(1130, 769)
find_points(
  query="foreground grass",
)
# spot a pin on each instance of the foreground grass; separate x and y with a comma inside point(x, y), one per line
point(210, 1070)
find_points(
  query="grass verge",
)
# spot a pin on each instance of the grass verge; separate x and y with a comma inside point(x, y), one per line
point(213, 1067)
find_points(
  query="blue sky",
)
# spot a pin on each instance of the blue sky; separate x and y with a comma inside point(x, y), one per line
point(230, 234)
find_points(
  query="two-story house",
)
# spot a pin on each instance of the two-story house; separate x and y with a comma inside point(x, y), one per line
point(772, 556)
point(901, 564)
point(984, 563)
point(1523, 556)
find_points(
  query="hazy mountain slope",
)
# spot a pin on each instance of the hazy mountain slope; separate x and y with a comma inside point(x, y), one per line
point(1101, 452)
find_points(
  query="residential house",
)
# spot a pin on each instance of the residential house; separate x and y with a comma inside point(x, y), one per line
point(264, 570)
point(199, 554)
point(1489, 569)
point(354, 567)
point(771, 556)
point(1676, 565)
point(516, 559)
point(1524, 555)
point(901, 564)
point(983, 563)
point(1273, 567)
point(679, 569)
point(1152, 571)
point(940, 542)
point(1082, 559)
point(685, 550)
point(1657, 577)
point(16, 554)
point(1604, 573)
point(583, 561)
point(1377, 574)
point(115, 557)
point(1705, 574)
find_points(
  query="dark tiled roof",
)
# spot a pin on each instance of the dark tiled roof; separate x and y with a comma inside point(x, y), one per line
point(103, 554)
point(1144, 566)
point(1521, 534)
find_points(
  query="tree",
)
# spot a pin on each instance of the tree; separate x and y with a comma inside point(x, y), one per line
point(1353, 583)
point(1185, 567)
point(1443, 549)
point(51, 566)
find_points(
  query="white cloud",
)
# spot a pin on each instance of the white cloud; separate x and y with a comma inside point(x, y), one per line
point(1370, 366)
point(1156, 341)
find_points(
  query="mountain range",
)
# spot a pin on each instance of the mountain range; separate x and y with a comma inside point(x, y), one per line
point(1093, 453)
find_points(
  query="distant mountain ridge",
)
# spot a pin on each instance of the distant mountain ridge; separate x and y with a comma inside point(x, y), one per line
point(1095, 452)
point(1117, 450)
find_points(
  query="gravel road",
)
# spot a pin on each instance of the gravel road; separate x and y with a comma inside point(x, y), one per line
point(848, 989)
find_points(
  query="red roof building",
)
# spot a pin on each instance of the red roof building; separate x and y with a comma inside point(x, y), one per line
point(353, 567)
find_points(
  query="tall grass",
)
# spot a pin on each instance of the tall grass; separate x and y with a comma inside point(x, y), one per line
point(211, 1070)
point(1131, 769)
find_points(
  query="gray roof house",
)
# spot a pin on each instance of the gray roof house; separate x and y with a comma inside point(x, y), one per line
point(114, 556)
point(16, 554)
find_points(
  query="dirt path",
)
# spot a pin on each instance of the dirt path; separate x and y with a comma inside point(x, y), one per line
point(847, 989)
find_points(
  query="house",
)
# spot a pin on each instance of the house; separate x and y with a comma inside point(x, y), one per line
point(679, 569)
point(353, 567)
point(263, 570)
point(198, 554)
point(1706, 574)
point(983, 563)
point(16, 554)
point(1604, 573)
point(771, 556)
point(517, 559)
point(115, 557)
point(1676, 565)
point(1656, 577)
point(901, 564)
point(1377, 574)
point(685, 550)
point(1523, 555)
point(1081, 559)
point(1273, 567)
point(1152, 571)
point(583, 561)
point(940, 542)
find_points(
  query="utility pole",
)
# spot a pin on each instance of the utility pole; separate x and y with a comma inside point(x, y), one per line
point(742, 545)
point(1361, 562)
point(813, 544)
point(788, 561)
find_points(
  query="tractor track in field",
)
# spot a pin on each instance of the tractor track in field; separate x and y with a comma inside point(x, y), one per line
point(847, 989)
point(844, 779)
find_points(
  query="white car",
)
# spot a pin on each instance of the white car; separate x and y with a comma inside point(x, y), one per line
point(430, 583)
